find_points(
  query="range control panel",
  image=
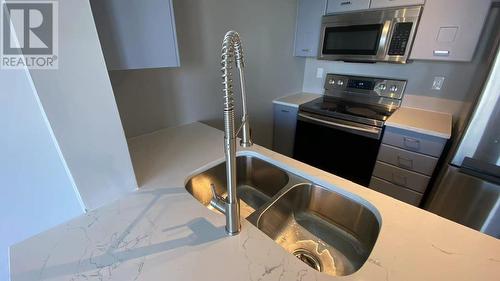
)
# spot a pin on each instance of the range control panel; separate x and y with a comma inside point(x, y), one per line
point(389, 88)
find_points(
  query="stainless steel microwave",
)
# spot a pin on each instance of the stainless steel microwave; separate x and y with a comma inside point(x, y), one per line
point(384, 35)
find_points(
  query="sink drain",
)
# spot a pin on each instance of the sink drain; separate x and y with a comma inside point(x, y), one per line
point(308, 258)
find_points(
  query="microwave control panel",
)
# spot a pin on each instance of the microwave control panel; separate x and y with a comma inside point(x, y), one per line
point(400, 38)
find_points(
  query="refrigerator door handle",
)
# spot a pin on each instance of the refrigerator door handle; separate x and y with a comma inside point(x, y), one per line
point(480, 169)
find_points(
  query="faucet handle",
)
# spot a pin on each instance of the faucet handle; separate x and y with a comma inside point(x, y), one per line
point(246, 138)
point(217, 201)
point(212, 189)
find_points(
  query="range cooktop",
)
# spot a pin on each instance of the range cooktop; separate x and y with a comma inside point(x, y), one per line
point(366, 100)
point(338, 108)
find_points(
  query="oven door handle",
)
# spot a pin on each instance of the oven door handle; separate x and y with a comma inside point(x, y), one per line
point(373, 132)
point(384, 37)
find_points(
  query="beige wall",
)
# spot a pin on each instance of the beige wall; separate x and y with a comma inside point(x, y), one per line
point(152, 99)
point(78, 101)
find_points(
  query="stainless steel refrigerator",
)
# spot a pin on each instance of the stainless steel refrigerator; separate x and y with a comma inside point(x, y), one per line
point(468, 190)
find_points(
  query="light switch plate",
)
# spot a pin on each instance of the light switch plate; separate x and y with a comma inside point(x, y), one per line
point(438, 83)
point(319, 72)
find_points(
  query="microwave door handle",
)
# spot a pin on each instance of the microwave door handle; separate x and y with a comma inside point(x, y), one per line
point(384, 37)
point(373, 133)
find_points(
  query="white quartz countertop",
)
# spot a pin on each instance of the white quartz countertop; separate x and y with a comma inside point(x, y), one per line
point(296, 100)
point(422, 121)
point(162, 233)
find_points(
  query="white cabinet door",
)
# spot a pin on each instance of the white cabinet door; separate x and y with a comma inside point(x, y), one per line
point(336, 6)
point(449, 30)
point(394, 3)
point(136, 34)
point(309, 13)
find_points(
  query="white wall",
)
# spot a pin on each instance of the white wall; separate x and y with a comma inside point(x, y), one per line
point(153, 99)
point(37, 192)
point(62, 147)
point(80, 106)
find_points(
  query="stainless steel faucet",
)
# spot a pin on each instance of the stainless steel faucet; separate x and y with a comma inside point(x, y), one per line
point(232, 52)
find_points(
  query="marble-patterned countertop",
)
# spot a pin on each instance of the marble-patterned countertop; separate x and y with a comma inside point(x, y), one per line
point(422, 121)
point(297, 99)
point(162, 233)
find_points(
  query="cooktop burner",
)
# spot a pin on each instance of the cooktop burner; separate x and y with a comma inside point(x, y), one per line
point(363, 113)
point(327, 106)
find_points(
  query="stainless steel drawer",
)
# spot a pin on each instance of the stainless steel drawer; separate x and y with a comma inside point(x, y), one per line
point(401, 177)
point(407, 160)
point(412, 141)
point(395, 191)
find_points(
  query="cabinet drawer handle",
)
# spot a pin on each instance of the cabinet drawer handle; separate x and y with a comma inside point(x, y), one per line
point(411, 143)
point(399, 179)
point(405, 162)
point(345, 3)
point(285, 111)
point(441, 53)
point(306, 50)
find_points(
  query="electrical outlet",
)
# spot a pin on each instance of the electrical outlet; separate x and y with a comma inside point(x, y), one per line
point(438, 83)
point(319, 72)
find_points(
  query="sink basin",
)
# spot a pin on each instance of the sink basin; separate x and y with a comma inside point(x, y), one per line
point(331, 232)
point(328, 231)
point(257, 182)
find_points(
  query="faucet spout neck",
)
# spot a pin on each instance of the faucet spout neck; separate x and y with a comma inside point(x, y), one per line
point(232, 52)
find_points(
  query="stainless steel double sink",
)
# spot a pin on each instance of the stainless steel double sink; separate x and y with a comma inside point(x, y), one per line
point(331, 232)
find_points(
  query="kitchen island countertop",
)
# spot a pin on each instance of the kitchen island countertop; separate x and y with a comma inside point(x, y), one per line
point(162, 233)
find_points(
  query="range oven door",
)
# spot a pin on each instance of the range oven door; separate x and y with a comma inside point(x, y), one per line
point(346, 149)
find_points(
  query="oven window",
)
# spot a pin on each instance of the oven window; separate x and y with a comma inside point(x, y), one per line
point(341, 153)
point(352, 40)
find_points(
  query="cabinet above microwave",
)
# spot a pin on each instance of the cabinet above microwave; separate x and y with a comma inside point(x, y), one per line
point(338, 6)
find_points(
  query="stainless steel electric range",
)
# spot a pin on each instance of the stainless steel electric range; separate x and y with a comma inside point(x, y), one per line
point(341, 132)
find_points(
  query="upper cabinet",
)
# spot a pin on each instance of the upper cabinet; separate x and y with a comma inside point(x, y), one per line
point(136, 34)
point(309, 13)
point(394, 3)
point(336, 6)
point(449, 30)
